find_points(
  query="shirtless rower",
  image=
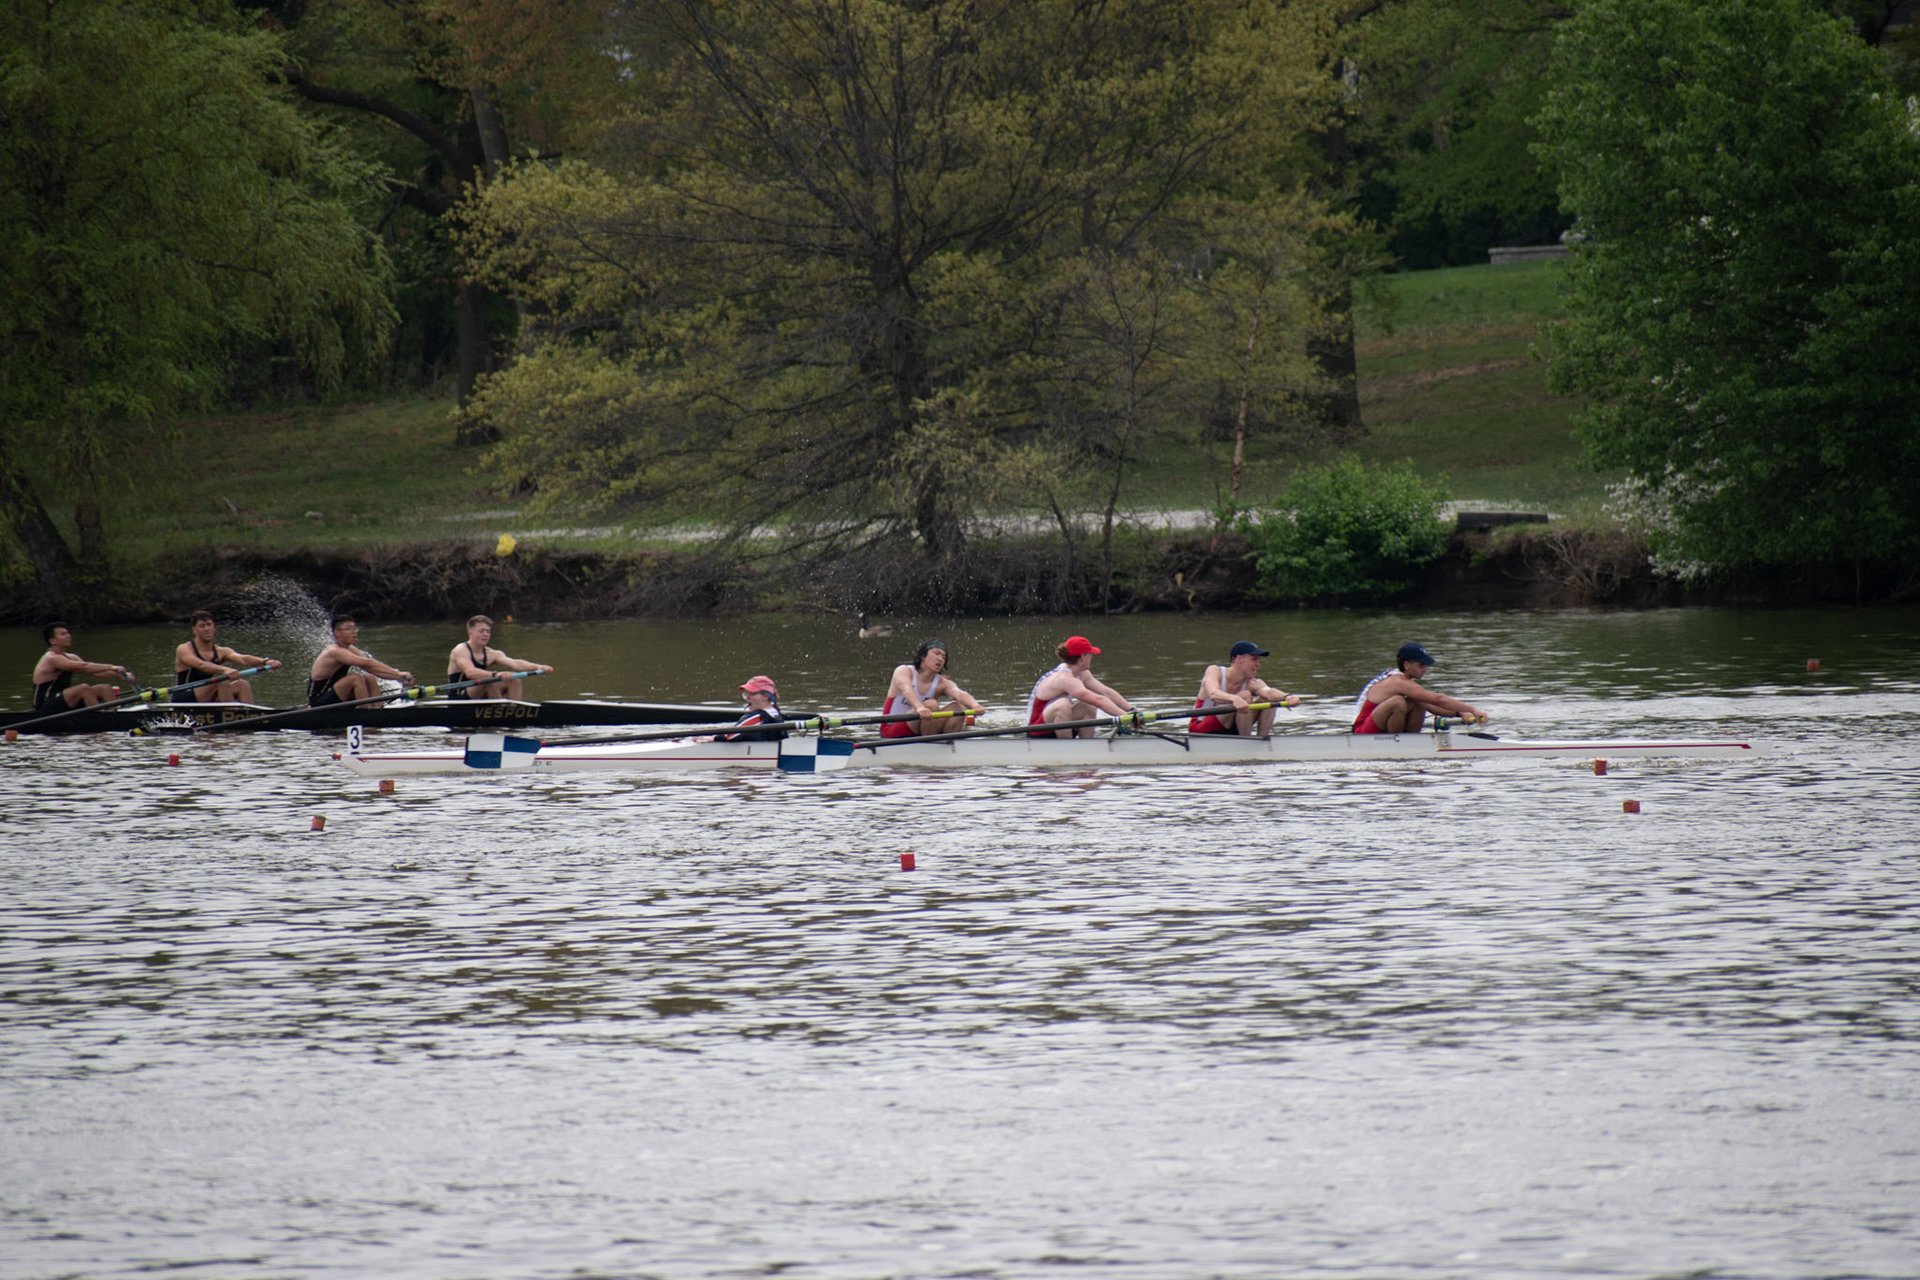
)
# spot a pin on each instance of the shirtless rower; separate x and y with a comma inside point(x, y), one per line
point(344, 671)
point(53, 687)
point(1239, 683)
point(1069, 693)
point(1395, 702)
point(474, 661)
point(202, 657)
point(918, 686)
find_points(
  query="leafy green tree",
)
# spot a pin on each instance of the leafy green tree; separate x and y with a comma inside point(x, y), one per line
point(1742, 315)
point(1347, 531)
point(443, 94)
point(163, 204)
point(863, 267)
point(1448, 90)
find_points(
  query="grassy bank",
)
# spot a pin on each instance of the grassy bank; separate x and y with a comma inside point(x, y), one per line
point(1447, 380)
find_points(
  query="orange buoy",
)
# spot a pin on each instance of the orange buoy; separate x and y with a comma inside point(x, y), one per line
point(13, 735)
point(319, 823)
point(1629, 806)
point(1599, 768)
point(1813, 664)
point(386, 786)
point(906, 862)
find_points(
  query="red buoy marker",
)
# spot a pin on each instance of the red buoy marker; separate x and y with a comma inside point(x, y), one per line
point(906, 862)
point(386, 786)
point(1629, 806)
point(13, 735)
point(173, 757)
point(319, 823)
point(1599, 768)
point(1813, 664)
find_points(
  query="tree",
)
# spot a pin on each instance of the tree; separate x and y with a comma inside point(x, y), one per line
point(1266, 288)
point(1742, 313)
point(445, 93)
point(1449, 89)
point(836, 269)
point(162, 205)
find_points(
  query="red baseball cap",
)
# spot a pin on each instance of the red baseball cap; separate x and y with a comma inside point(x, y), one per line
point(1077, 645)
point(760, 684)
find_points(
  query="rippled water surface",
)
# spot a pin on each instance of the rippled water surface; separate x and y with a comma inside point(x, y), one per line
point(1410, 1020)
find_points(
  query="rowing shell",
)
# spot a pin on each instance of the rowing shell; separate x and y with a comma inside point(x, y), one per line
point(469, 714)
point(496, 754)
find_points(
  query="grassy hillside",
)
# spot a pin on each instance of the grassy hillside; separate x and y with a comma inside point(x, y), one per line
point(1449, 380)
point(1446, 376)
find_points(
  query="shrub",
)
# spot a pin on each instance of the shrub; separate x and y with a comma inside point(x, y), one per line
point(1347, 530)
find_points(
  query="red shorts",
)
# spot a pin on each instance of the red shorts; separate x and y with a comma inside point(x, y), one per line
point(901, 729)
point(1363, 723)
point(1210, 724)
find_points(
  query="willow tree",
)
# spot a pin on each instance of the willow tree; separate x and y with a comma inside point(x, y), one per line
point(830, 274)
point(443, 93)
point(162, 204)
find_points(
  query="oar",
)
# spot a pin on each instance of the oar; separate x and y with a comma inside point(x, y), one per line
point(832, 753)
point(145, 695)
point(1130, 719)
point(800, 724)
point(411, 694)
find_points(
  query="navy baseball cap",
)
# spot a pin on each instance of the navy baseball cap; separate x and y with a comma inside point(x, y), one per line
point(1246, 646)
point(1411, 652)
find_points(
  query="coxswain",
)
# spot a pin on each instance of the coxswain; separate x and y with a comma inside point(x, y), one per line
point(1395, 702)
point(763, 708)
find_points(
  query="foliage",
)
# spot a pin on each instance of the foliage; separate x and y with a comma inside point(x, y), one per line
point(865, 269)
point(1741, 322)
point(1347, 530)
point(1449, 89)
point(441, 94)
point(163, 205)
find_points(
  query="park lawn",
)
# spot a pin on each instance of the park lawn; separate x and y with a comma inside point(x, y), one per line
point(333, 475)
point(1448, 381)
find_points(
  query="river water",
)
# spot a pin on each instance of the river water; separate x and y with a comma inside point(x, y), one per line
point(1412, 1020)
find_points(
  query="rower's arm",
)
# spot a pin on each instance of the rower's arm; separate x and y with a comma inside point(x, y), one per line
point(1278, 697)
point(1444, 705)
point(964, 698)
point(1107, 698)
point(361, 658)
point(81, 667)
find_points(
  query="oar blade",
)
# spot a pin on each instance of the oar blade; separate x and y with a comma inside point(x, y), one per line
point(500, 751)
point(814, 755)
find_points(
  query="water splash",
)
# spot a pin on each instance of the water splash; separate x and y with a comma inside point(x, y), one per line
point(276, 615)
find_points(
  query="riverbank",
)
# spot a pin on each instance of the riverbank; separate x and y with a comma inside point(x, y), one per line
point(375, 508)
point(1533, 566)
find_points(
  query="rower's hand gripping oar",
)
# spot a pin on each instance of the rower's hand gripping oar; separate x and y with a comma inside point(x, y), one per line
point(413, 693)
point(157, 694)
